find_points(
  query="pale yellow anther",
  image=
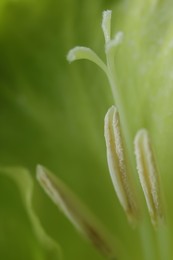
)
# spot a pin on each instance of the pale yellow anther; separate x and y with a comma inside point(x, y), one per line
point(117, 163)
point(77, 213)
point(148, 175)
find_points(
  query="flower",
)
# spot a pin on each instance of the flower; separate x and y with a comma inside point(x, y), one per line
point(52, 114)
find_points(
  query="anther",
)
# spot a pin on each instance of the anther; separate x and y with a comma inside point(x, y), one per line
point(77, 213)
point(117, 162)
point(148, 175)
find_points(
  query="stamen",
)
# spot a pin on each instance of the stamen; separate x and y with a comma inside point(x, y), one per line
point(76, 212)
point(148, 175)
point(117, 163)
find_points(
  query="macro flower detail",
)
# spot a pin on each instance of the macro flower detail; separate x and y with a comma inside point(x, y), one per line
point(118, 142)
point(100, 132)
point(146, 164)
